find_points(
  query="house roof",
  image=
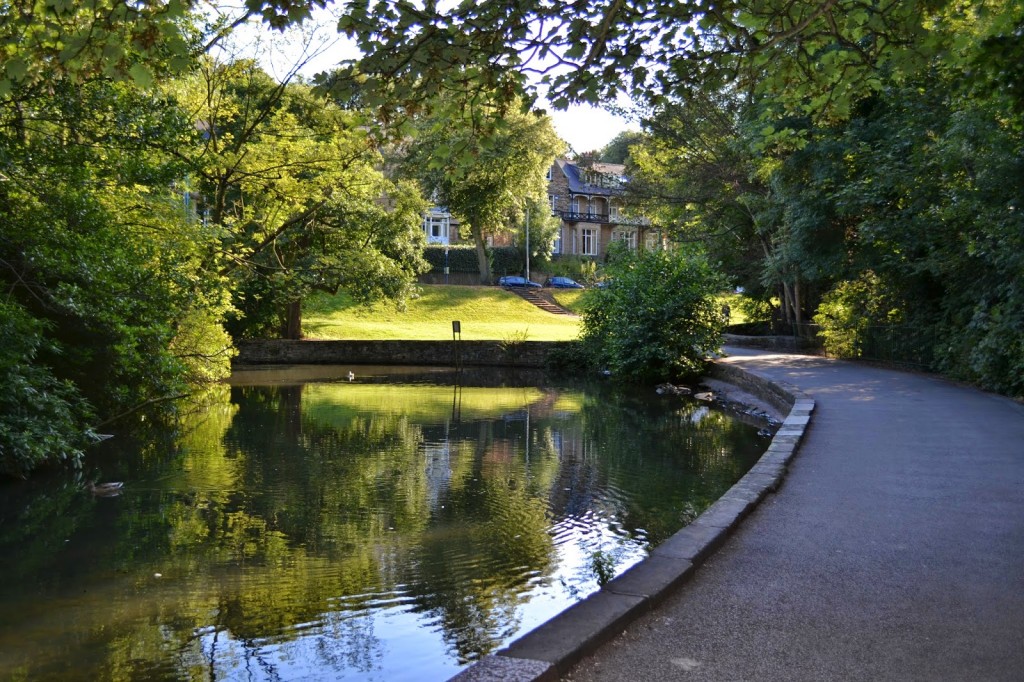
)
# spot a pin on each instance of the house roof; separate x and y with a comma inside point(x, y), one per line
point(577, 178)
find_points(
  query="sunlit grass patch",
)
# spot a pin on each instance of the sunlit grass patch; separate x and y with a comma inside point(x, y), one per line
point(485, 313)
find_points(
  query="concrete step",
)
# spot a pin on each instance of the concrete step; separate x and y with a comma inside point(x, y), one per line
point(540, 299)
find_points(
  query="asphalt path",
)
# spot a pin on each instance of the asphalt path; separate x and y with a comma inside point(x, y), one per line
point(894, 549)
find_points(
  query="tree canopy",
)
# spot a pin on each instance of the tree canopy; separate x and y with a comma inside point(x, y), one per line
point(487, 183)
point(137, 219)
point(811, 57)
point(896, 228)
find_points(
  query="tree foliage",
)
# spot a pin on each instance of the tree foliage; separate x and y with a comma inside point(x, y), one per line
point(617, 149)
point(657, 320)
point(134, 221)
point(292, 186)
point(486, 182)
point(812, 57)
point(41, 413)
point(907, 211)
point(89, 252)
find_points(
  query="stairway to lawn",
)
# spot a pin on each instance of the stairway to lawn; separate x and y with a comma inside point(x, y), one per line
point(540, 299)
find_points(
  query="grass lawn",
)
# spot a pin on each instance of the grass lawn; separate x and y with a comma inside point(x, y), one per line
point(569, 299)
point(736, 316)
point(486, 313)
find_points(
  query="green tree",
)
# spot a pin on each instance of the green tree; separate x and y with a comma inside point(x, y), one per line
point(617, 149)
point(810, 57)
point(928, 203)
point(95, 249)
point(293, 187)
point(657, 320)
point(695, 172)
point(487, 182)
point(42, 416)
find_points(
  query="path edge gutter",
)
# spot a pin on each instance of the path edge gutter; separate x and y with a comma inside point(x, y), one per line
point(551, 649)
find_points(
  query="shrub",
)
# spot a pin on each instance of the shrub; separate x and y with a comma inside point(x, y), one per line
point(849, 310)
point(41, 418)
point(754, 309)
point(506, 260)
point(580, 268)
point(461, 258)
point(657, 320)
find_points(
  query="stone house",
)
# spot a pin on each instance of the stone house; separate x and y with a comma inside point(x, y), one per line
point(588, 200)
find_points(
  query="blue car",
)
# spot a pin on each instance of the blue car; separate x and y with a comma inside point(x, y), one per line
point(516, 281)
point(564, 283)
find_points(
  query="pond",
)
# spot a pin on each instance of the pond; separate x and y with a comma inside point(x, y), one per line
point(302, 524)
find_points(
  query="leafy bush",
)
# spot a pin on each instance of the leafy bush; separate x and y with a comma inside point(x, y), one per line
point(754, 309)
point(580, 268)
point(461, 258)
point(659, 318)
point(849, 310)
point(41, 417)
point(506, 260)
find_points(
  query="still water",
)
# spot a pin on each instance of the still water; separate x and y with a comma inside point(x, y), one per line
point(302, 526)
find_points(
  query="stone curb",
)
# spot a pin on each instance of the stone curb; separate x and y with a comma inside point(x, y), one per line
point(550, 650)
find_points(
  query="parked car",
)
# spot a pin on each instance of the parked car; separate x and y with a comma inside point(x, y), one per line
point(563, 283)
point(516, 281)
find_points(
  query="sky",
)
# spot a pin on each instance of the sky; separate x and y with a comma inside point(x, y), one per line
point(586, 128)
point(583, 127)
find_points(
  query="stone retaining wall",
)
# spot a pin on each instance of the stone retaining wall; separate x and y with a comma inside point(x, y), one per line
point(444, 353)
point(781, 396)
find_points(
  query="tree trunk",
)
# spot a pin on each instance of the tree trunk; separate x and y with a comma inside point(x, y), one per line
point(798, 316)
point(293, 321)
point(787, 304)
point(481, 256)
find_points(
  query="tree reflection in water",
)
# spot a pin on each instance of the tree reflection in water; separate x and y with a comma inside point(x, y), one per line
point(336, 530)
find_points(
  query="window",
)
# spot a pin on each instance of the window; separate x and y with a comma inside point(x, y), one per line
point(553, 200)
point(556, 245)
point(435, 225)
point(626, 236)
point(588, 242)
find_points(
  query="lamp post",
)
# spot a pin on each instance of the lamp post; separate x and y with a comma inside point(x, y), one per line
point(527, 242)
point(446, 263)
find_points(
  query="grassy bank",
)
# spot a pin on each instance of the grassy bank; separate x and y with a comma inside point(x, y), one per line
point(486, 313)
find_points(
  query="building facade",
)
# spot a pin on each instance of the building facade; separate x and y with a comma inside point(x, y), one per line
point(588, 201)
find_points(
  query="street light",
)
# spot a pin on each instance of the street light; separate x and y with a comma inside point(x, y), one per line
point(527, 242)
point(446, 263)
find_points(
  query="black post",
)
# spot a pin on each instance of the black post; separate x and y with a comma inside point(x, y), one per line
point(456, 338)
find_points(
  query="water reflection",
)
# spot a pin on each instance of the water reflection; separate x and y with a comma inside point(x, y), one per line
point(316, 528)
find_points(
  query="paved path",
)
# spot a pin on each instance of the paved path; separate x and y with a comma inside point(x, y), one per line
point(894, 550)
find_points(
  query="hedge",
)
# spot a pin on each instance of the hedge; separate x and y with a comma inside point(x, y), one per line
point(462, 258)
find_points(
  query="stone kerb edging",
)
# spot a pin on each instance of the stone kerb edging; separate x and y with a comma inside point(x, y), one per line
point(549, 651)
